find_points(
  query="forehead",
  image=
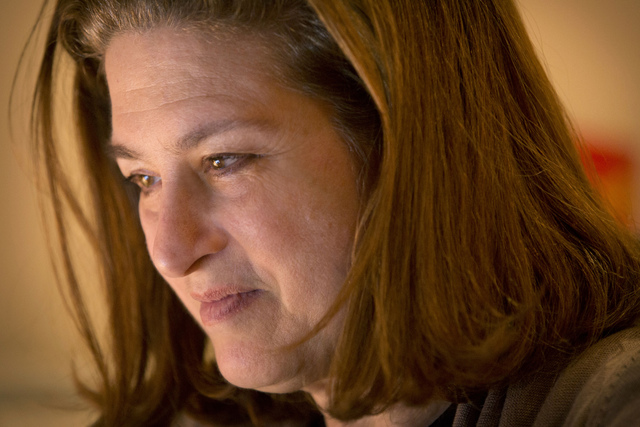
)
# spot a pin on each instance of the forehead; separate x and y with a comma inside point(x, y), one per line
point(171, 80)
point(147, 69)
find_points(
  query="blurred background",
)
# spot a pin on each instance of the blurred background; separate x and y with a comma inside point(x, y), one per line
point(589, 47)
point(37, 339)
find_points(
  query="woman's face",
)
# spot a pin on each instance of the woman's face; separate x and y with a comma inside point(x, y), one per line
point(248, 201)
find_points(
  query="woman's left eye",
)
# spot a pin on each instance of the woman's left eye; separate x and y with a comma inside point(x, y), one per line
point(225, 163)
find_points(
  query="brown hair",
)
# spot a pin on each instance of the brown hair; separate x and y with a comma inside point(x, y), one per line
point(482, 249)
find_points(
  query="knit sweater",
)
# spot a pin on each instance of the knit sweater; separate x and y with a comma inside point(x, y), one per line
point(601, 387)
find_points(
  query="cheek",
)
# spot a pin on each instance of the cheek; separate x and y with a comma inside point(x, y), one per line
point(148, 221)
point(298, 231)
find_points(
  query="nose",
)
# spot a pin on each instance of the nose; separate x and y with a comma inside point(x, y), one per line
point(185, 229)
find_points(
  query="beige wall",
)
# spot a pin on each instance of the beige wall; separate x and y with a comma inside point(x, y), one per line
point(591, 50)
point(35, 336)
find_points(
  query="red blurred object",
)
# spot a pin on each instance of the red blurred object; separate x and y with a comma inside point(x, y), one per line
point(611, 171)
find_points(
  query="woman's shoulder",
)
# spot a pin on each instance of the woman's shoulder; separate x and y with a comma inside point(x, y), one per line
point(600, 387)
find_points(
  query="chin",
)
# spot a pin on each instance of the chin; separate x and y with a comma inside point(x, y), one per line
point(267, 373)
point(266, 384)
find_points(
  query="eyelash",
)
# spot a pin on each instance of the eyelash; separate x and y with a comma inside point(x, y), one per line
point(212, 164)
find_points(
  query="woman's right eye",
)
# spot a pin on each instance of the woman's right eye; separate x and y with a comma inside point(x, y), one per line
point(145, 182)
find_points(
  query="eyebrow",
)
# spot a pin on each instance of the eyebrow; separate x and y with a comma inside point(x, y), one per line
point(193, 138)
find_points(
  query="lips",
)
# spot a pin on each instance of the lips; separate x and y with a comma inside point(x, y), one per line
point(218, 306)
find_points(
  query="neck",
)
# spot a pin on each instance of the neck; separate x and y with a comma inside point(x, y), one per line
point(397, 416)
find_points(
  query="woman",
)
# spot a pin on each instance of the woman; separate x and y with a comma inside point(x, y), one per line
point(372, 209)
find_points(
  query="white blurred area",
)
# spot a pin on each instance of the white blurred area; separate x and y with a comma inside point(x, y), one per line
point(590, 48)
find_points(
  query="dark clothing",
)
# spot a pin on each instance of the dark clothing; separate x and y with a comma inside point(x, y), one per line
point(601, 387)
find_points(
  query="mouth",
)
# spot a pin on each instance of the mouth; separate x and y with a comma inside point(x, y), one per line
point(219, 310)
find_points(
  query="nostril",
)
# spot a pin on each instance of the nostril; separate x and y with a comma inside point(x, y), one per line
point(173, 245)
point(178, 245)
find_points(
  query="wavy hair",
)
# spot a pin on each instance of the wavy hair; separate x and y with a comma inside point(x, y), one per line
point(482, 250)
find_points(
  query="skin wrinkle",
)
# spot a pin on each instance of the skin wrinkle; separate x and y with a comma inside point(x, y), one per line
point(214, 129)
